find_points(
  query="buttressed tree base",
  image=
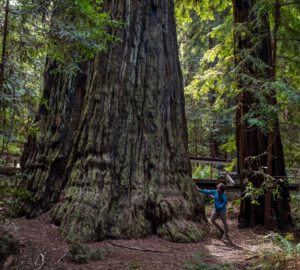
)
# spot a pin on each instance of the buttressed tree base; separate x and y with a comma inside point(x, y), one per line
point(111, 160)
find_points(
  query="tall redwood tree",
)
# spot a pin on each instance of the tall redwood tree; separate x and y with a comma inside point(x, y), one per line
point(260, 152)
point(111, 158)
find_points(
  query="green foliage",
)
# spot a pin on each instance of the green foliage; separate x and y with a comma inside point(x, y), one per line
point(295, 208)
point(236, 202)
point(206, 39)
point(69, 32)
point(284, 242)
point(208, 106)
point(269, 184)
point(11, 198)
point(205, 8)
point(204, 172)
point(287, 256)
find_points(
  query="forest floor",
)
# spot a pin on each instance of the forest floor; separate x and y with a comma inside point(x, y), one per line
point(42, 248)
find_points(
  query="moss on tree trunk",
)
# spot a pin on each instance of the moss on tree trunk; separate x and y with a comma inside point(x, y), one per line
point(127, 172)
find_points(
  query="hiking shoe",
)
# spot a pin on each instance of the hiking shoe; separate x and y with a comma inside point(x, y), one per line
point(222, 233)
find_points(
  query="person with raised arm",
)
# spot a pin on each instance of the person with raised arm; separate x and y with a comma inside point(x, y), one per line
point(220, 202)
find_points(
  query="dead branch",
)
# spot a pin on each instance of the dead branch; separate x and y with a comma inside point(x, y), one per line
point(63, 256)
point(42, 257)
point(42, 260)
point(139, 249)
point(252, 257)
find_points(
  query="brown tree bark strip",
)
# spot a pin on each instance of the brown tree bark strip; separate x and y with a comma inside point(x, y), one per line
point(268, 196)
point(2, 70)
point(272, 132)
point(4, 45)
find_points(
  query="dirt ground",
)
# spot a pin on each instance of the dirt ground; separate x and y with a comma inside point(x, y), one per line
point(42, 248)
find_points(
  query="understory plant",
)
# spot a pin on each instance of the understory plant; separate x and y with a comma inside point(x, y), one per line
point(205, 172)
point(286, 257)
point(11, 198)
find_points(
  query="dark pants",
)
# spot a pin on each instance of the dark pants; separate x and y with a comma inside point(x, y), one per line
point(221, 215)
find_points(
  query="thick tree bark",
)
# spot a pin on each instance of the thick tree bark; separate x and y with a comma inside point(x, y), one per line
point(45, 154)
point(128, 172)
point(257, 149)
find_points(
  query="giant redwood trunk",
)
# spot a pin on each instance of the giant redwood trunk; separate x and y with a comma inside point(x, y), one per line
point(111, 160)
point(260, 152)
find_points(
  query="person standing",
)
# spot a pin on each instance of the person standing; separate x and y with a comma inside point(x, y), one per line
point(220, 202)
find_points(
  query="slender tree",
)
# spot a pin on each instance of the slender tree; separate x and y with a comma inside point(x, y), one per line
point(2, 73)
point(111, 158)
point(260, 152)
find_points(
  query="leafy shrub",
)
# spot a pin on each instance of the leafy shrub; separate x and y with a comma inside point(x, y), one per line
point(295, 207)
point(12, 198)
point(288, 256)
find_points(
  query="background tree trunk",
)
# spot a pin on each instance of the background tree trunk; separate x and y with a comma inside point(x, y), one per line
point(254, 145)
point(128, 172)
point(46, 152)
point(2, 75)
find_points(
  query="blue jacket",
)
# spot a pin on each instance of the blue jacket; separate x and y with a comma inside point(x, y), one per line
point(220, 203)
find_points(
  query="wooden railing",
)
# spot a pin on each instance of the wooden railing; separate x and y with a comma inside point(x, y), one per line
point(230, 179)
point(196, 161)
point(214, 163)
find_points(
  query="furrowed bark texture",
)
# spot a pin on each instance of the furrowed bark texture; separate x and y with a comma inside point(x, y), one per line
point(46, 153)
point(128, 173)
point(252, 142)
